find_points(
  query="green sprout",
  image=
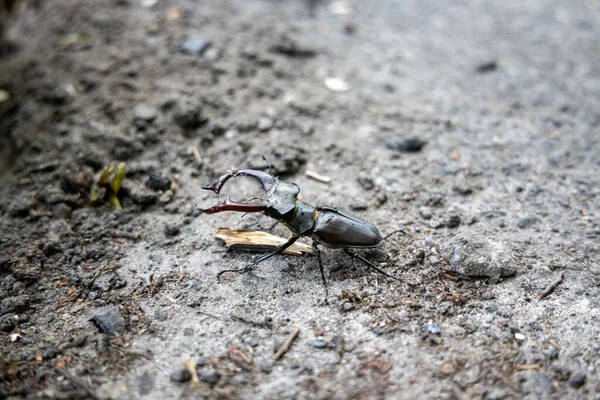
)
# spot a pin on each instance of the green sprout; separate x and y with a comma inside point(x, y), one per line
point(108, 186)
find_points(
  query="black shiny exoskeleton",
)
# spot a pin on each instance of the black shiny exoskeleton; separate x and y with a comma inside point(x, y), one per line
point(326, 225)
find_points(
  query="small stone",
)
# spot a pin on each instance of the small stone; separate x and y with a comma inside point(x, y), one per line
point(61, 95)
point(8, 322)
point(477, 256)
point(80, 340)
point(144, 112)
point(319, 344)
point(365, 181)
point(15, 304)
point(159, 181)
point(489, 66)
point(337, 84)
point(161, 314)
point(140, 195)
point(432, 329)
point(50, 353)
point(265, 367)
point(577, 381)
point(210, 377)
point(194, 45)
point(347, 306)
point(15, 337)
point(453, 222)
point(21, 207)
point(358, 206)
point(166, 197)
point(188, 116)
point(446, 369)
point(528, 222)
point(425, 213)
point(182, 375)
point(146, 383)
point(412, 145)
point(110, 320)
point(265, 124)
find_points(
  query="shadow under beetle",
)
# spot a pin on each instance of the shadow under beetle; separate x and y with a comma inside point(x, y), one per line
point(326, 225)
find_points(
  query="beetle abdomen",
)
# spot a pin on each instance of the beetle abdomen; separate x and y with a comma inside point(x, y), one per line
point(337, 228)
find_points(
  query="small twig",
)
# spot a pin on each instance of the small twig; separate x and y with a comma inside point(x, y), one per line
point(317, 177)
point(191, 367)
point(550, 288)
point(261, 324)
point(196, 154)
point(240, 358)
point(78, 382)
point(287, 344)
point(527, 367)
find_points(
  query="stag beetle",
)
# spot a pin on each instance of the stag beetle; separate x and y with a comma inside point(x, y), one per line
point(326, 225)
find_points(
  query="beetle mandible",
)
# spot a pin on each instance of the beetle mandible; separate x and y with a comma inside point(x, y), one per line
point(326, 225)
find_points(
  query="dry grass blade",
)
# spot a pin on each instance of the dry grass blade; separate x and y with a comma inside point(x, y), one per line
point(256, 240)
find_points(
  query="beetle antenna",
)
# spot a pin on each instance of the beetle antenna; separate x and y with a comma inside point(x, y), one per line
point(394, 232)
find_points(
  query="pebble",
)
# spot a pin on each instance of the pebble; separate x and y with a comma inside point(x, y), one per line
point(188, 116)
point(80, 340)
point(144, 112)
point(477, 256)
point(432, 329)
point(319, 344)
point(528, 222)
point(15, 304)
point(145, 383)
point(412, 145)
point(210, 377)
point(50, 353)
point(365, 181)
point(265, 124)
point(110, 320)
point(182, 375)
point(161, 314)
point(21, 206)
point(159, 181)
point(194, 45)
point(337, 84)
point(140, 195)
point(577, 381)
point(8, 322)
point(265, 367)
point(453, 222)
point(425, 213)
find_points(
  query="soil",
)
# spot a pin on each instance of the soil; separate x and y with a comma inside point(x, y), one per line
point(473, 126)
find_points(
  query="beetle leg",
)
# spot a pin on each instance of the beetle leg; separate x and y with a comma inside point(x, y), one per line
point(370, 264)
point(318, 253)
point(261, 259)
point(229, 205)
point(267, 180)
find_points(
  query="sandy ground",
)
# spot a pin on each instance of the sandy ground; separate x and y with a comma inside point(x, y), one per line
point(473, 126)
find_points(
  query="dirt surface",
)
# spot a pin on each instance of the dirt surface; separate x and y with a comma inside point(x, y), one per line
point(474, 126)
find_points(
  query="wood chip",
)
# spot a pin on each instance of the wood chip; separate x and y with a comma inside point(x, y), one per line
point(240, 358)
point(526, 367)
point(287, 344)
point(256, 240)
point(196, 154)
point(191, 367)
point(318, 177)
point(550, 288)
